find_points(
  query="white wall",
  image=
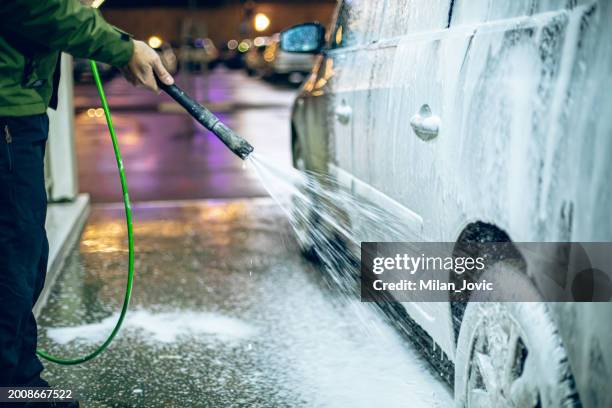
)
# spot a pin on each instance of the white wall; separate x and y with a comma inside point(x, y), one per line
point(61, 169)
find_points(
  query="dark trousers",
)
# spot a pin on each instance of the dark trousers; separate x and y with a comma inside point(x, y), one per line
point(23, 245)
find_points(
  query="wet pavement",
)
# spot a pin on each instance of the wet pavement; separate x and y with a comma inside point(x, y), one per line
point(225, 312)
point(169, 156)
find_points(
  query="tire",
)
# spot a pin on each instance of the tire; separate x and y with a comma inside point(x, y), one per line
point(511, 355)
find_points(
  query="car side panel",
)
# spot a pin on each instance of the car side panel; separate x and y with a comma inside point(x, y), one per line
point(511, 160)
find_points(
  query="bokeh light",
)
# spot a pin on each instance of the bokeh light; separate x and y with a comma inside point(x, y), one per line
point(154, 41)
point(262, 22)
point(232, 44)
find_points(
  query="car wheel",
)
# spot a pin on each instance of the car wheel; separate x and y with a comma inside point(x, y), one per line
point(511, 355)
point(296, 78)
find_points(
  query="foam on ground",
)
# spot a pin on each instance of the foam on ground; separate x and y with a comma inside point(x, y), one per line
point(163, 327)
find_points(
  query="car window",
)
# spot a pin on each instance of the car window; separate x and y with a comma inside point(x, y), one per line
point(358, 23)
point(478, 11)
point(403, 17)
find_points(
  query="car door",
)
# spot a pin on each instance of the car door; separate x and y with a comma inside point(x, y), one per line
point(515, 97)
point(357, 24)
point(407, 66)
point(324, 111)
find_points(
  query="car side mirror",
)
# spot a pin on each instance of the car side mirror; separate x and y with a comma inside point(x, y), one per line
point(307, 38)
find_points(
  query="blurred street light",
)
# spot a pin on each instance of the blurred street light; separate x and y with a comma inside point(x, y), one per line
point(232, 44)
point(244, 46)
point(95, 113)
point(262, 22)
point(259, 41)
point(154, 41)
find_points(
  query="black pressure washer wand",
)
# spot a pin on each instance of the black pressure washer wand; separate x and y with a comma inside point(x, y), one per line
point(231, 139)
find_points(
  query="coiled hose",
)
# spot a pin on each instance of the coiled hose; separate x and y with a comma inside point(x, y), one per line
point(128, 219)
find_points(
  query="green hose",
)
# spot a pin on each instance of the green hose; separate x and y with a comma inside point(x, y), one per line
point(128, 219)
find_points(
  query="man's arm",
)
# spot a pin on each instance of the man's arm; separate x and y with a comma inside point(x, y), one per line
point(67, 25)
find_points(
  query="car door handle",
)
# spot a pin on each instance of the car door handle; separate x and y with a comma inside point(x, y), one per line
point(343, 113)
point(425, 124)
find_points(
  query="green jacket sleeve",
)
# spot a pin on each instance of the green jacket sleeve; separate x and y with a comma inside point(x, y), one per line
point(69, 26)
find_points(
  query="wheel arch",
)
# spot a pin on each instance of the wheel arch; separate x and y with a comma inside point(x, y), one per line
point(479, 232)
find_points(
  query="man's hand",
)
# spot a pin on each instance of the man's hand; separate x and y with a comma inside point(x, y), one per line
point(145, 61)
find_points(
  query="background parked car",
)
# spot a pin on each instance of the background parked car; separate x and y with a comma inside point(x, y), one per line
point(279, 64)
point(199, 54)
point(254, 60)
point(483, 122)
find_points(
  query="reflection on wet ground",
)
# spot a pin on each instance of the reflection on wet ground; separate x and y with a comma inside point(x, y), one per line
point(225, 313)
point(169, 156)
